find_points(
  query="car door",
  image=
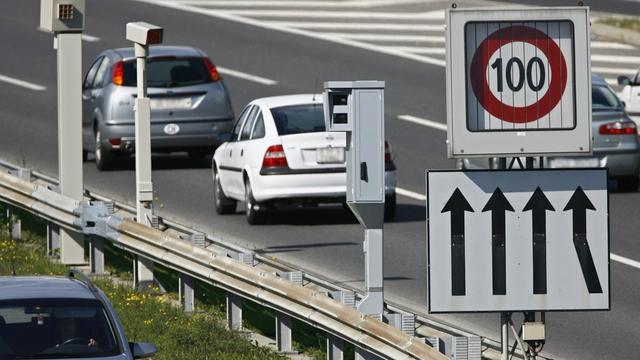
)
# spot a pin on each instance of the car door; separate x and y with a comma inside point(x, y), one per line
point(633, 97)
point(226, 166)
point(241, 148)
point(255, 148)
point(88, 102)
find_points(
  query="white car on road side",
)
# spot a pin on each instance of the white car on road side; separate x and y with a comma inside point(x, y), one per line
point(279, 154)
point(630, 94)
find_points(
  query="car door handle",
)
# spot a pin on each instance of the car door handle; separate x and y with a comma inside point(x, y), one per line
point(230, 152)
point(241, 152)
point(364, 175)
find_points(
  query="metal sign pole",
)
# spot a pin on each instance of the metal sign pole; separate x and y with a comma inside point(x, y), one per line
point(69, 59)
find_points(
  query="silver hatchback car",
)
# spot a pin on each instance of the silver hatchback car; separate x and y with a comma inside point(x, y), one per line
point(190, 104)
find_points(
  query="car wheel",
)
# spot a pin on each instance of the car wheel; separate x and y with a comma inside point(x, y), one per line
point(390, 208)
point(628, 183)
point(254, 215)
point(104, 157)
point(223, 204)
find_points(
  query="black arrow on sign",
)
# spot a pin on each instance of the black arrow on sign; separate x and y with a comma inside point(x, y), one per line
point(457, 205)
point(498, 205)
point(539, 204)
point(579, 203)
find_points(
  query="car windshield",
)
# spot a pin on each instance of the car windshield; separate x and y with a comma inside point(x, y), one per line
point(603, 99)
point(298, 119)
point(55, 329)
point(169, 72)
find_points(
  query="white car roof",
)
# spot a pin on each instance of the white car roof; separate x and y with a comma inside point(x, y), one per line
point(287, 100)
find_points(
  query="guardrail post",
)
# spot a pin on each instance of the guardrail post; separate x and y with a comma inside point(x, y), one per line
point(187, 293)
point(283, 333)
point(234, 311)
point(334, 348)
point(96, 255)
point(362, 354)
point(15, 232)
point(53, 238)
point(142, 273)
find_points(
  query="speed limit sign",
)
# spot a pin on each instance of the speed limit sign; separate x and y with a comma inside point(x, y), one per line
point(518, 82)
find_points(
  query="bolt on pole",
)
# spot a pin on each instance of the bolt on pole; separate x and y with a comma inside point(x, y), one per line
point(66, 22)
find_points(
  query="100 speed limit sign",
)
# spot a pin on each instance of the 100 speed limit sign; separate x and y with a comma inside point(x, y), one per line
point(518, 75)
point(518, 72)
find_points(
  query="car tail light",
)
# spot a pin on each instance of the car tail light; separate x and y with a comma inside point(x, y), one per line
point(388, 156)
point(619, 128)
point(213, 72)
point(117, 77)
point(115, 141)
point(275, 157)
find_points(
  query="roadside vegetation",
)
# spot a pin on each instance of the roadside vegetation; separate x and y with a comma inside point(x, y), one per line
point(632, 23)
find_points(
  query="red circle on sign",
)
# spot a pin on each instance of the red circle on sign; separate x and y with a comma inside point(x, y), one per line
point(480, 84)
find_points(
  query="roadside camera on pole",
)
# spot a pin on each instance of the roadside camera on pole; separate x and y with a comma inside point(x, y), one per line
point(62, 15)
point(357, 107)
point(144, 33)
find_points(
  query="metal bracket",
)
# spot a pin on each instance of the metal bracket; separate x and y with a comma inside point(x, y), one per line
point(245, 258)
point(404, 322)
point(22, 173)
point(293, 276)
point(344, 297)
point(94, 219)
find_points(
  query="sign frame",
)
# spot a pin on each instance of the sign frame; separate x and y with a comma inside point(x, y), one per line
point(429, 262)
point(465, 143)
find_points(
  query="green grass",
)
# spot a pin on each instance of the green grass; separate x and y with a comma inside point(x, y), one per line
point(145, 317)
point(625, 23)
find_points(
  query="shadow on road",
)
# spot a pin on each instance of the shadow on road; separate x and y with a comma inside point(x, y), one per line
point(300, 247)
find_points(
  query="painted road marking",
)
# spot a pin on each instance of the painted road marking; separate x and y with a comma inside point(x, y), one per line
point(21, 83)
point(359, 26)
point(624, 260)
point(619, 59)
point(429, 15)
point(410, 194)
point(610, 45)
point(424, 122)
point(245, 76)
point(85, 37)
point(614, 71)
point(387, 37)
point(419, 49)
point(296, 3)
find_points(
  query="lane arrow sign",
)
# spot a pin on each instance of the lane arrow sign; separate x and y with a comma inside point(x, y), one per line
point(457, 205)
point(579, 203)
point(538, 204)
point(498, 205)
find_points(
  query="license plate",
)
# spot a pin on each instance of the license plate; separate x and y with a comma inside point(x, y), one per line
point(177, 103)
point(576, 163)
point(330, 155)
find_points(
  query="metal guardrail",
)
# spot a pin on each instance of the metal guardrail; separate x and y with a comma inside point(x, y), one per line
point(215, 268)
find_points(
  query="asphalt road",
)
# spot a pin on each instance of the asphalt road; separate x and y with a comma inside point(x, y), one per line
point(324, 241)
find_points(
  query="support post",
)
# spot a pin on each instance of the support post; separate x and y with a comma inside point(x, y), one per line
point(234, 312)
point(504, 327)
point(15, 233)
point(53, 238)
point(283, 333)
point(96, 255)
point(187, 292)
point(334, 348)
point(373, 302)
point(69, 59)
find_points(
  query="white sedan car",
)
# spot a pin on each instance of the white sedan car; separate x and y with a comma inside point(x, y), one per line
point(279, 154)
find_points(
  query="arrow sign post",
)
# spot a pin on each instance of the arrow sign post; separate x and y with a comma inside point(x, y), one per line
point(498, 205)
point(457, 205)
point(538, 204)
point(579, 203)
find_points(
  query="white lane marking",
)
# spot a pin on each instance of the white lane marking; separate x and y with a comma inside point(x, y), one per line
point(623, 260)
point(388, 37)
point(410, 194)
point(265, 25)
point(614, 71)
point(610, 45)
point(611, 81)
point(90, 38)
point(85, 37)
point(430, 15)
point(296, 3)
point(424, 122)
point(21, 83)
point(620, 59)
point(419, 49)
point(359, 26)
point(245, 76)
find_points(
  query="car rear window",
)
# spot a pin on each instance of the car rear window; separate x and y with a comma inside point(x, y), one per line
point(55, 329)
point(603, 99)
point(298, 119)
point(169, 72)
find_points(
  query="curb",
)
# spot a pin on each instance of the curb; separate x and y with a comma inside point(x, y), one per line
point(613, 33)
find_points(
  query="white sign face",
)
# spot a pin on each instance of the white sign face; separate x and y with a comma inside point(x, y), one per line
point(517, 240)
point(518, 82)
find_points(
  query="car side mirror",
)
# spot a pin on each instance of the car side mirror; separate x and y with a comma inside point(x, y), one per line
point(142, 350)
point(624, 104)
point(623, 80)
point(224, 136)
